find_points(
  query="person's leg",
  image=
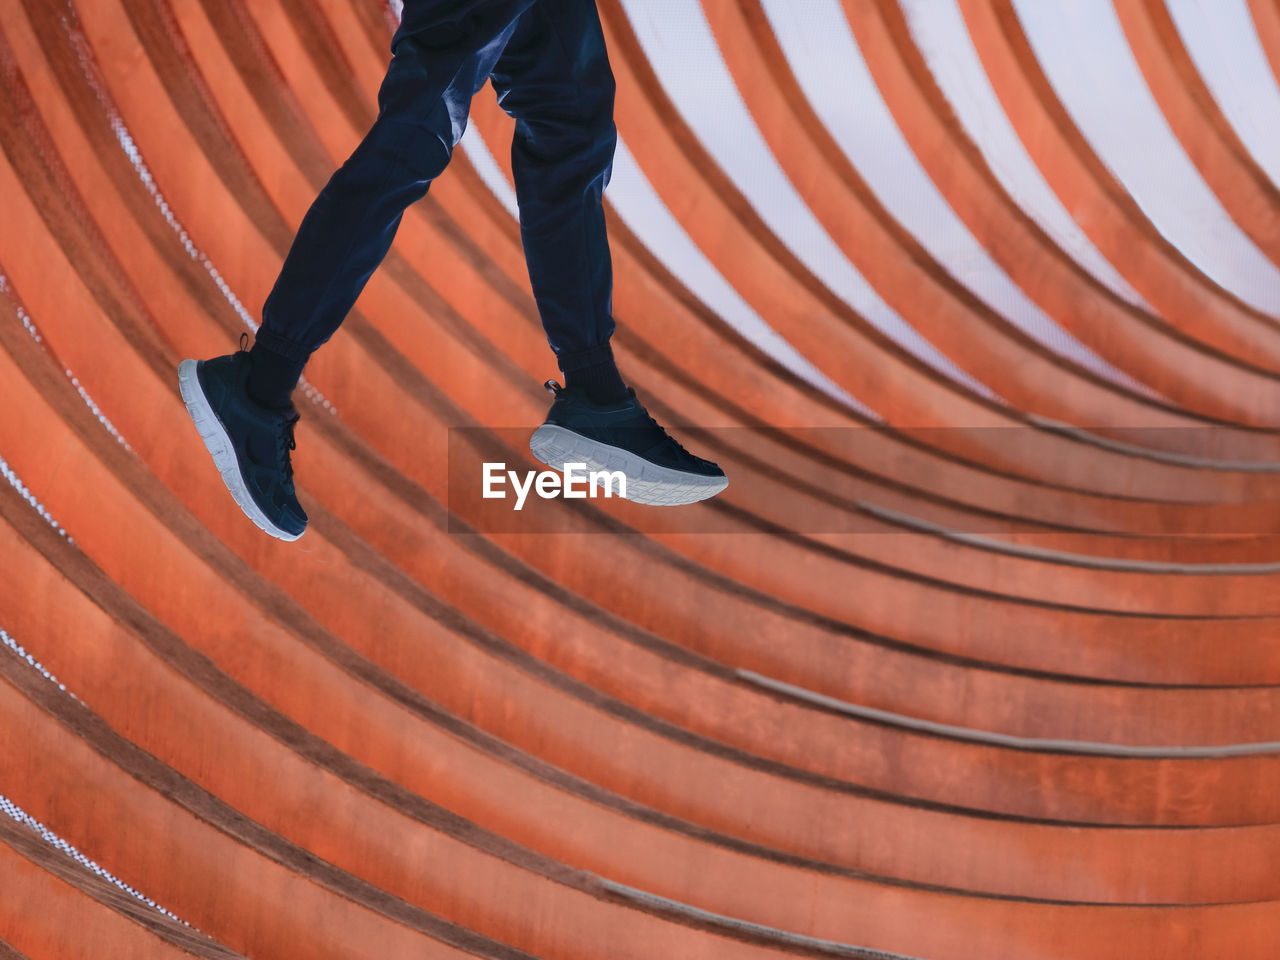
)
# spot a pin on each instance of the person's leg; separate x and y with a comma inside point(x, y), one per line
point(553, 77)
point(441, 56)
point(240, 403)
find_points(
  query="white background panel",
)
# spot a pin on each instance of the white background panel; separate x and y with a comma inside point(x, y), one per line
point(682, 50)
point(824, 56)
point(1221, 39)
point(939, 31)
point(1084, 53)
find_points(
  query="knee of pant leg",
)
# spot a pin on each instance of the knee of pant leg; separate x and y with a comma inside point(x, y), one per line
point(423, 104)
point(420, 144)
point(432, 139)
point(429, 158)
point(393, 156)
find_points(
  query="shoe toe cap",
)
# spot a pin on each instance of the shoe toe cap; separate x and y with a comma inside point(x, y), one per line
point(290, 516)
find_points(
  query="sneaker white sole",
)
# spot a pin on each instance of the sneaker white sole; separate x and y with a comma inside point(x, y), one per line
point(647, 483)
point(218, 442)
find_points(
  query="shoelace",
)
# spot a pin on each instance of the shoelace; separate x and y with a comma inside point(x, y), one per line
point(680, 449)
point(285, 442)
point(554, 388)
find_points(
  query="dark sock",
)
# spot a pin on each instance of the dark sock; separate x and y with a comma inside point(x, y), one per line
point(601, 382)
point(272, 377)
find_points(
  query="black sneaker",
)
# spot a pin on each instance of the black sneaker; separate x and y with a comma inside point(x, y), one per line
point(623, 437)
point(250, 444)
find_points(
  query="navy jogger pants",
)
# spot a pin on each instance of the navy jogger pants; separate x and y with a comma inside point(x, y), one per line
point(547, 62)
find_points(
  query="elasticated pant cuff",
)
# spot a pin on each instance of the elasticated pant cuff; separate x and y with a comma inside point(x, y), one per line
point(266, 340)
point(568, 362)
